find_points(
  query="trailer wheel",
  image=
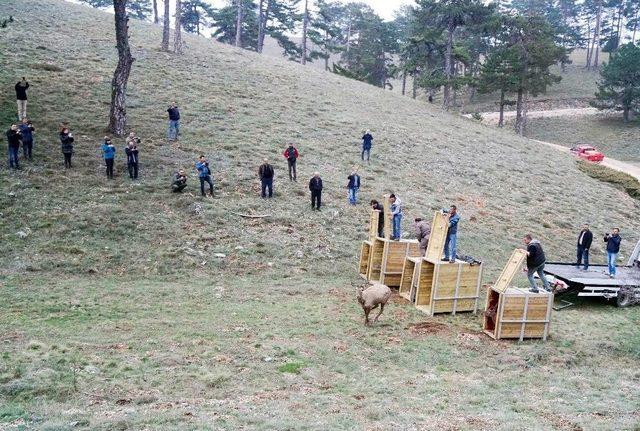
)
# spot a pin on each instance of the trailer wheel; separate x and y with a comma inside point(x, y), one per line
point(625, 297)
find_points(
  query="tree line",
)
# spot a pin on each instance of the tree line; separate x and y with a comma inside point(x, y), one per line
point(447, 49)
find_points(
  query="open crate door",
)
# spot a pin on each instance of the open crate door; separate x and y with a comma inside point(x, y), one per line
point(439, 229)
point(510, 270)
point(388, 218)
point(373, 224)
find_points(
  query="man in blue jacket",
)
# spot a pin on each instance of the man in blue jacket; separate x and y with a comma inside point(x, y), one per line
point(204, 173)
point(613, 248)
point(109, 155)
point(353, 186)
point(174, 122)
point(13, 141)
point(451, 243)
point(396, 216)
point(26, 130)
point(367, 139)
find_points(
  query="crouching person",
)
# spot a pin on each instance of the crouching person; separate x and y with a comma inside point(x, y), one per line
point(535, 263)
point(179, 182)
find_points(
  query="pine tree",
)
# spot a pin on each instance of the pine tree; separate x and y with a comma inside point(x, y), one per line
point(225, 20)
point(620, 85)
point(195, 15)
point(325, 32)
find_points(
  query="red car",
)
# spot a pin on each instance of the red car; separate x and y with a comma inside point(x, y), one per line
point(587, 152)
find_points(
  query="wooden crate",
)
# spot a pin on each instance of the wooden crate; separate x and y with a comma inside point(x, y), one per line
point(513, 312)
point(438, 237)
point(376, 251)
point(365, 253)
point(444, 287)
point(393, 257)
point(409, 271)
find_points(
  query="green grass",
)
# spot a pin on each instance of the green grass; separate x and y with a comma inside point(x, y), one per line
point(115, 312)
point(624, 181)
point(607, 132)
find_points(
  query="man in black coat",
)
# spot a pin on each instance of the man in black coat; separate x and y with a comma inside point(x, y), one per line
point(585, 238)
point(377, 206)
point(21, 97)
point(315, 185)
point(13, 139)
point(535, 263)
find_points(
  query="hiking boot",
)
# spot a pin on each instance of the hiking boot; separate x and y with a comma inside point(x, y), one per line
point(534, 291)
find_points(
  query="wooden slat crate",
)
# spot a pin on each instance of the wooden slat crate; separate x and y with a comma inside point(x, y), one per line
point(365, 253)
point(513, 312)
point(393, 257)
point(376, 253)
point(409, 276)
point(444, 287)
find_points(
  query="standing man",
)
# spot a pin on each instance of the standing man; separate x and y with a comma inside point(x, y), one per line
point(613, 248)
point(423, 233)
point(367, 139)
point(109, 155)
point(396, 213)
point(377, 206)
point(585, 237)
point(204, 173)
point(132, 157)
point(451, 243)
point(66, 145)
point(26, 131)
point(535, 263)
point(21, 98)
point(174, 122)
point(179, 182)
point(315, 185)
point(266, 174)
point(13, 140)
point(353, 186)
point(291, 154)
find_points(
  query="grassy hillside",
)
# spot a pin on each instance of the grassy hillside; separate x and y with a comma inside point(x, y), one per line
point(117, 311)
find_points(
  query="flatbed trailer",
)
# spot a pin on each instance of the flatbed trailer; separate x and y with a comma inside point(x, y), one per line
point(595, 282)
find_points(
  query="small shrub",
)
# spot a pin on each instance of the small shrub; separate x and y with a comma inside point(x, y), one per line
point(476, 116)
point(47, 66)
point(608, 175)
point(291, 367)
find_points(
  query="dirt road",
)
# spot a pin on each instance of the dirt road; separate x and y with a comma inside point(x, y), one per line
point(494, 117)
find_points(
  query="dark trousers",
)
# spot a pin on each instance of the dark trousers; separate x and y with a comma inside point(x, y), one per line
point(316, 198)
point(13, 157)
point(267, 183)
point(67, 159)
point(178, 188)
point(203, 180)
point(27, 148)
point(133, 170)
point(292, 169)
point(367, 151)
point(109, 163)
point(583, 254)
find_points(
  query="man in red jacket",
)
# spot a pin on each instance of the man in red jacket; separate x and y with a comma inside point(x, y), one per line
point(291, 154)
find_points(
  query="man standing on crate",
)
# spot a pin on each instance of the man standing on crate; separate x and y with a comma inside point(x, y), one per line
point(451, 243)
point(585, 237)
point(535, 263)
point(396, 216)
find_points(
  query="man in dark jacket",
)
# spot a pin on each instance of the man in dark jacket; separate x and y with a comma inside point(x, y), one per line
point(174, 122)
point(535, 263)
point(66, 141)
point(204, 173)
point(377, 206)
point(179, 182)
point(353, 186)
point(613, 248)
point(26, 131)
point(21, 97)
point(291, 154)
point(266, 174)
point(132, 156)
point(367, 139)
point(13, 140)
point(315, 185)
point(585, 237)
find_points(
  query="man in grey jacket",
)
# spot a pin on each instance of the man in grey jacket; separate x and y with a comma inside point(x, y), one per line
point(423, 233)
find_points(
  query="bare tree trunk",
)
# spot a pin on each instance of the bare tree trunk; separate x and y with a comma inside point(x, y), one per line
point(588, 63)
point(635, 26)
point(501, 120)
point(414, 93)
point(118, 111)
point(519, 104)
point(239, 24)
point(197, 15)
point(177, 36)
point(596, 62)
point(448, 64)
point(305, 23)
point(155, 12)
point(404, 82)
point(165, 27)
point(260, 25)
point(348, 36)
point(326, 50)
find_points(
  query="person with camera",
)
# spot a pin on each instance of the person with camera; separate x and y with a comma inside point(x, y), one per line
point(109, 155)
point(132, 155)
point(204, 173)
point(179, 182)
point(26, 131)
point(13, 139)
point(613, 241)
point(66, 144)
point(174, 122)
point(451, 243)
point(266, 174)
point(291, 154)
point(21, 98)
